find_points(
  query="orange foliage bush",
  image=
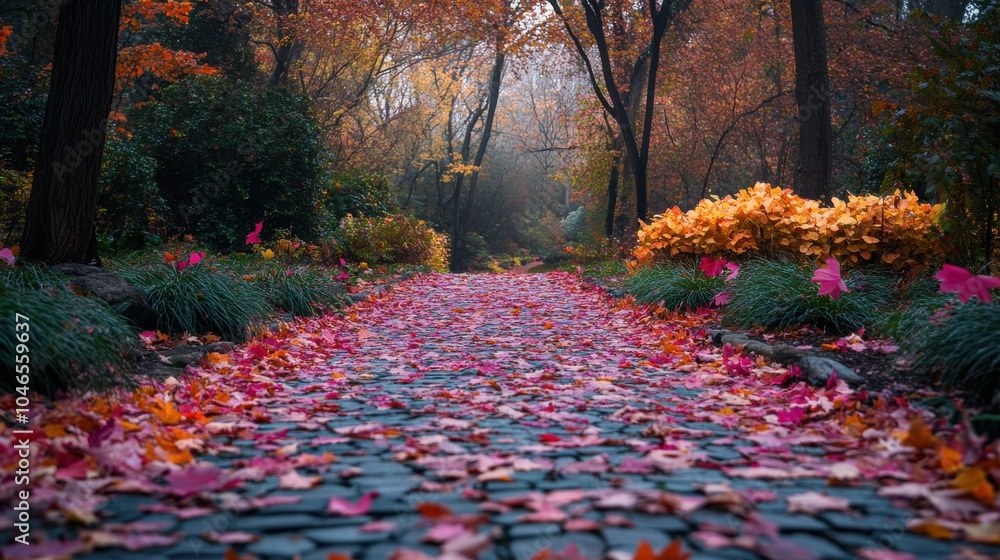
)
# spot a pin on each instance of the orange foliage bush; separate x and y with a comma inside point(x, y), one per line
point(896, 230)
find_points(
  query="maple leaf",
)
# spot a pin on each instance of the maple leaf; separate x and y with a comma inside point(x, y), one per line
point(672, 551)
point(432, 510)
point(967, 285)
point(712, 267)
point(829, 279)
point(253, 238)
point(814, 502)
point(7, 256)
point(194, 479)
point(919, 435)
point(292, 480)
point(346, 508)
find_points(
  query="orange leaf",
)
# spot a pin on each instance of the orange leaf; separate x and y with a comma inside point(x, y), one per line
point(166, 413)
point(675, 551)
point(933, 530)
point(432, 510)
point(951, 460)
point(644, 551)
point(920, 435)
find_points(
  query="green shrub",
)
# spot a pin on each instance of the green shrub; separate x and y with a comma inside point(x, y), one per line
point(393, 239)
point(358, 193)
point(575, 226)
point(73, 342)
point(778, 294)
point(306, 292)
point(961, 342)
point(230, 155)
point(677, 285)
point(199, 300)
point(128, 201)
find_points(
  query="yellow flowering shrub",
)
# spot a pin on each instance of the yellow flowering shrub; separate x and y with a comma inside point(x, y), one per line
point(896, 230)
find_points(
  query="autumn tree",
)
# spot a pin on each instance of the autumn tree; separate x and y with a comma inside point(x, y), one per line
point(621, 67)
point(62, 207)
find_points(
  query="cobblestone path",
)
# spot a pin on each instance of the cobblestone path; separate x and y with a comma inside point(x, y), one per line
point(499, 416)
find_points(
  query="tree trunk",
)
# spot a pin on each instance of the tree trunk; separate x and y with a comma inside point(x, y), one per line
point(616, 162)
point(814, 173)
point(62, 208)
point(494, 95)
point(289, 46)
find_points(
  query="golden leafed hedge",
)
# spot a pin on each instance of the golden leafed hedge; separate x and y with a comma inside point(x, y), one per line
point(896, 230)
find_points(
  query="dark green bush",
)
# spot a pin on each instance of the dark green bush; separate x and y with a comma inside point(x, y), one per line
point(677, 285)
point(73, 342)
point(358, 193)
point(961, 342)
point(128, 201)
point(230, 155)
point(305, 292)
point(778, 294)
point(200, 300)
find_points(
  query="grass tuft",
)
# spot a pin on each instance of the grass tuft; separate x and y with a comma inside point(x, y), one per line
point(71, 342)
point(200, 300)
point(961, 342)
point(677, 285)
point(778, 294)
point(306, 292)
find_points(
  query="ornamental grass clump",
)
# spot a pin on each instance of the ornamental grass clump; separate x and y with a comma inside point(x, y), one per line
point(781, 294)
point(961, 343)
point(303, 292)
point(71, 341)
point(677, 285)
point(198, 299)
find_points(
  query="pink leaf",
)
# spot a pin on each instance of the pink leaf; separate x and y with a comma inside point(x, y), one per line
point(813, 502)
point(711, 266)
point(791, 416)
point(292, 480)
point(721, 299)
point(253, 237)
point(829, 279)
point(377, 527)
point(233, 537)
point(195, 258)
point(444, 532)
point(346, 508)
point(734, 270)
point(194, 479)
point(966, 284)
point(7, 256)
point(582, 525)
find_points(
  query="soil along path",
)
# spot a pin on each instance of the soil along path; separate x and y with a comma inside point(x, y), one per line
point(501, 417)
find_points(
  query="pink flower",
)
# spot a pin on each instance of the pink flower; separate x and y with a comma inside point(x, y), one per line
point(7, 256)
point(957, 279)
point(829, 280)
point(253, 237)
point(711, 266)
